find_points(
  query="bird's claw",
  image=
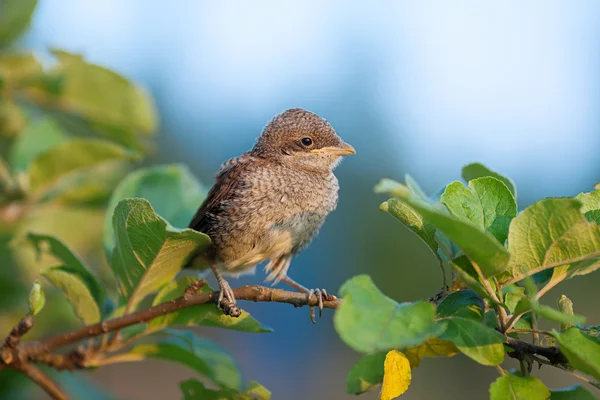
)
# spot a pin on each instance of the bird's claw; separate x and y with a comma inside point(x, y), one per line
point(226, 300)
point(321, 296)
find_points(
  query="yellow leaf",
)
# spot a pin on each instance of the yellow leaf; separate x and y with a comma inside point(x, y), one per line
point(433, 347)
point(397, 376)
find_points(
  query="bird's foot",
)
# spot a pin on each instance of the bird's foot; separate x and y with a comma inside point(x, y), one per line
point(322, 295)
point(226, 300)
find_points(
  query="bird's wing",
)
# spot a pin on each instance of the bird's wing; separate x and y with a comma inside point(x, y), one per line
point(227, 180)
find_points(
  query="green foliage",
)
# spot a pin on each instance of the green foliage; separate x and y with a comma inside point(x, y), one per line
point(572, 393)
point(518, 388)
point(195, 390)
point(201, 355)
point(14, 18)
point(368, 321)
point(203, 314)
point(366, 373)
point(507, 261)
point(37, 298)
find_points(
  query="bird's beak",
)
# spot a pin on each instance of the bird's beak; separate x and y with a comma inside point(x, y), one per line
point(344, 149)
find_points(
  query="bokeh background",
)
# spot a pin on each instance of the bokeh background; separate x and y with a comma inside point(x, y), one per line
point(419, 87)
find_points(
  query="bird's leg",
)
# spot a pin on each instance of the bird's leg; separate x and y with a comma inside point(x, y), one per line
point(320, 293)
point(225, 293)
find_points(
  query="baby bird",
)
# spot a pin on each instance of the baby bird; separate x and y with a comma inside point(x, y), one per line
point(268, 203)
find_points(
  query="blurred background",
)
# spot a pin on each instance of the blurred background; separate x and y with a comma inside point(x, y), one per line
point(420, 87)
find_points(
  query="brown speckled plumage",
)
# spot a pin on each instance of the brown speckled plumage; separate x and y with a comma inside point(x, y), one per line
point(268, 203)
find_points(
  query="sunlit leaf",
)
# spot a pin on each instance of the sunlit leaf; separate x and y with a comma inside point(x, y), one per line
point(548, 234)
point(148, 253)
point(590, 205)
point(38, 137)
point(477, 170)
point(512, 387)
point(37, 298)
point(475, 340)
point(396, 377)
point(434, 347)
point(480, 246)
point(487, 203)
point(368, 321)
point(582, 350)
point(70, 156)
point(172, 190)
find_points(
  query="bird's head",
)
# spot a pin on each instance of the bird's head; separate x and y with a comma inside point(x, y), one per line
point(302, 139)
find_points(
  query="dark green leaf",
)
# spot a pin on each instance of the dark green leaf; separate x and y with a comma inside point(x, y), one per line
point(185, 194)
point(467, 274)
point(475, 340)
point(148, 253)
point(37, 298)
point(582, 351)
point(572, 393)
point(72, 278)
point(512, 387)
point(368, 321)
point(35, 139)
point(195, 390)
point(548, 234)
point(203, 314)
point(71, 156)
point(14, 18)
point(365, 374)
point(412, 221)
point(462, 303)
point(487, 203)
point(203, 356)
point(477, 170)
point(481, 247)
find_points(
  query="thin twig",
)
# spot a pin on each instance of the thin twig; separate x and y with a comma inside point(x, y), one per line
point(531, 331)
point(43, 381)
point(563, 368)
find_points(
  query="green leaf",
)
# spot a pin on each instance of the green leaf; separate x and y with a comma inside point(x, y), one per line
point(17, 69)
point(475, 340)
point(365, 374)
point(548, 234)
point(15, 16)
point(481, 247)
point(368, 321)
point(416, 189)
point(487, 203)
point(36, 138)
point(576, 392)
point(37, 298)
point(201, 355)
point(590, 205)
point(203, 314)
point(477, 170)
point(71, 156)
point(101, 96)
point(462, 303)
point(185, 194)
point(72, 278)
point(467, 274)
point(565, 306)
point(12, 118)
point(412, 221)
point(195, 390)
point(77, 291)
point(148, 253)
point(554, 315)
point(518, 388)
point(582, 351)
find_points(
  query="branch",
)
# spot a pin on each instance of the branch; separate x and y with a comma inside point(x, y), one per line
point(251, 293)
point(553, 354)
point(42, 380)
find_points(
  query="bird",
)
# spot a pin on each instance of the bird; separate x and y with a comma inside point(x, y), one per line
point(269, 203)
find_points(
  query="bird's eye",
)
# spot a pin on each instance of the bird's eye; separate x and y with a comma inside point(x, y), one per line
point(307, 141)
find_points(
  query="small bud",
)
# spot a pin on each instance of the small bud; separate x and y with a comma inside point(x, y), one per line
point(37, 298)
point(565, 305)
